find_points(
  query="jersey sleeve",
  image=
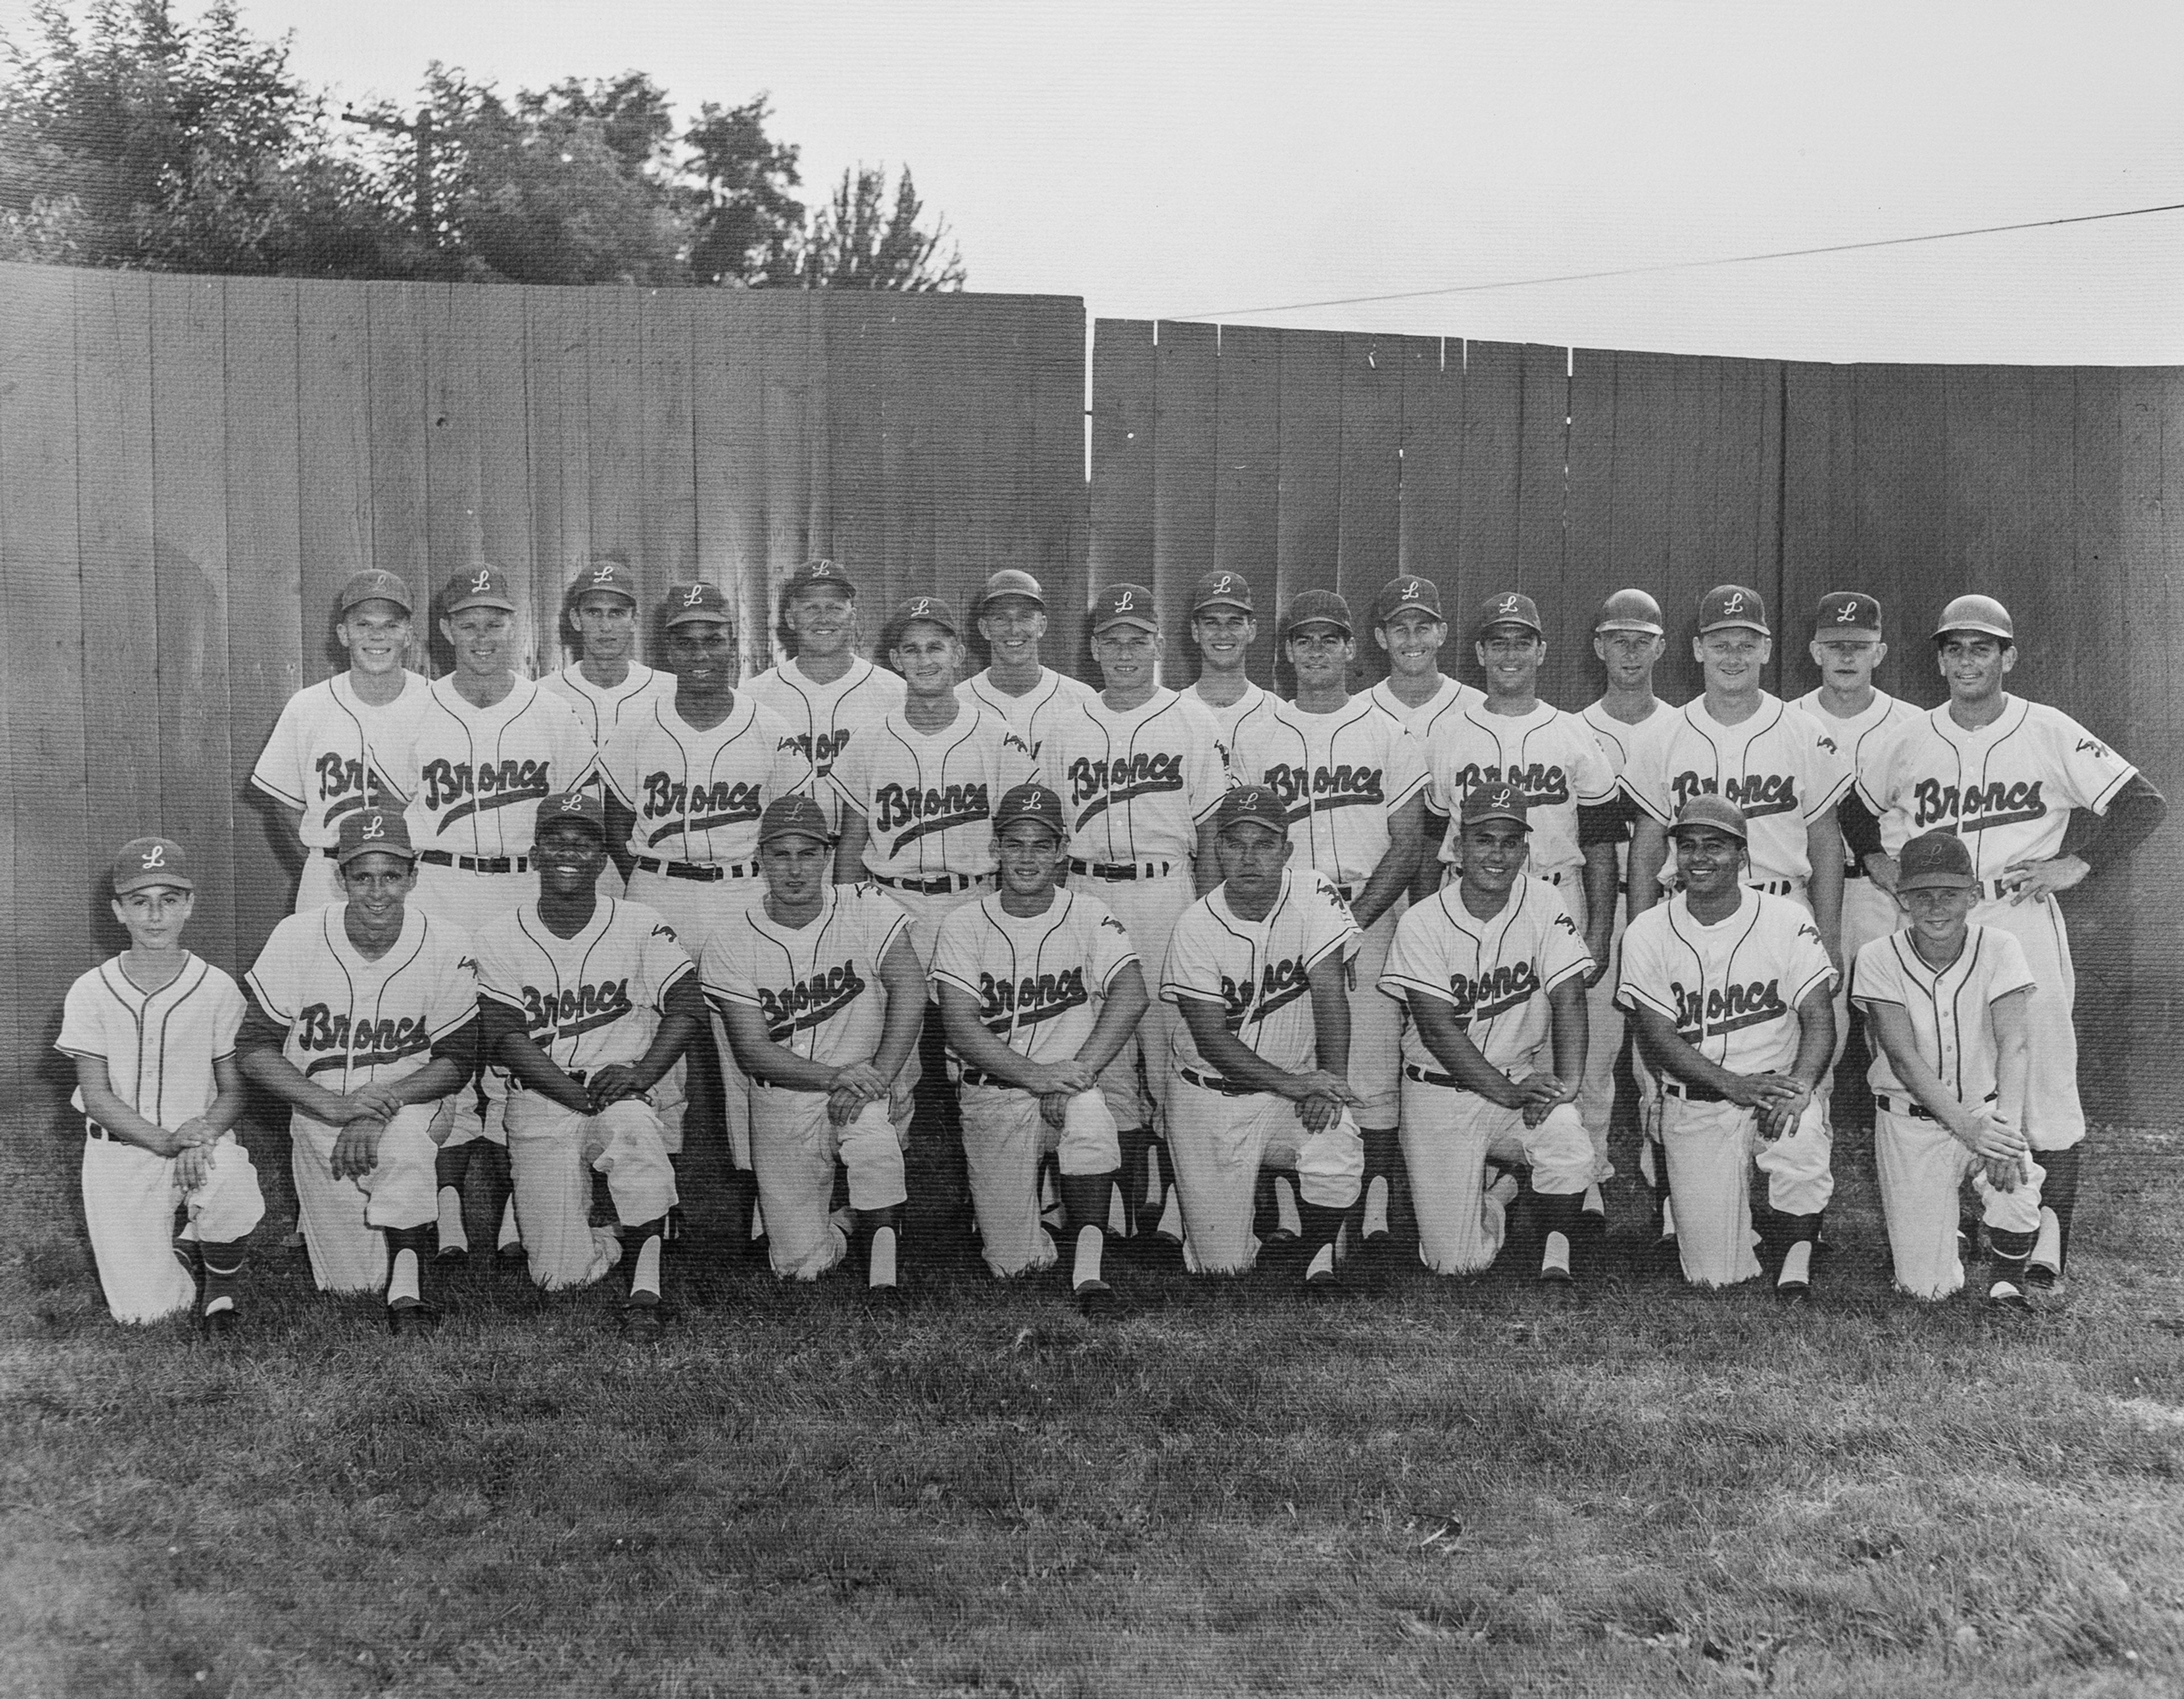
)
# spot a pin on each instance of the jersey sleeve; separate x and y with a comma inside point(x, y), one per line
point(1563, 954)
point(1248, 752)
point(1406, 775)
point(1644, 778)
point(1192, 971)
point(280, 770)
point(1205, 767)
point(81, 1033)
point(498, 975)
point(576, 758)
point(662, 962)
point(956, 950)
point(1111, 949)
point(2012, 970)
point(1809, 968)
point(1013, 763)
point(272, 976)
point(723, 969)
point(885, 919)
point(227, 1012)
point(1592, 775)
point(1329, 925)
point(1877, 976)
point(1827, 769)
point(791, 771)
point(1644, 984)
point(1414, 957)
point(454, 998)
point(846, 777)
point(1875, 779)
point(2090, 772)
point(394, 764)
point(617, 762)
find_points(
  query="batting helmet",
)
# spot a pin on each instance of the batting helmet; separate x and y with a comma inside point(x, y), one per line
point(1630, 610)
point(1976, 614)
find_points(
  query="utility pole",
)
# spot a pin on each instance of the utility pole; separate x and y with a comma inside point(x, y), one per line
point(421, 129)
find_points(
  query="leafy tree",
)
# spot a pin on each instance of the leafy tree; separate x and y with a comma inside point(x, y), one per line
point(855, 244)
point(746, 225)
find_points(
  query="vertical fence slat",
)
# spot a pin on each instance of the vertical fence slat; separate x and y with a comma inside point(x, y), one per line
point(557, 441)
point(1593, 569)
point(1366, 544)
point(333, 387)
point(505, 528)
point(614, 409)
point(782, 323)
point(1544, 430)
point(1059, 511)
point(1186, 429)
point(1247, 477)
point(451, 425)
point(857, 537)
point(1308, 532)
point(668, 522)
point(400, 530)
point(1431, 527)
point(728, 415)
point(1124, 388)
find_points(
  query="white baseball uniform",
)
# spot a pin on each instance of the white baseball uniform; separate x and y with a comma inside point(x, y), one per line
point(1220, 1135)
point(826, 719)
point(1778, 765)
point(353, 1023)
point(1135, 786)
point(697, 794)
point(159, 1047)
point(1922, 1167)
point(1550, 755)
point(928, 800)
point(2008, 790)
point(589, 1002)
point(1040, 983)
point(1495, 974)
point(1732, 990)
point(818, 989)
point(1056, 696)
point(326, 749)
point(1450, 697)
point(601, 708)
point(472, 779)
point(1341, 775)
point(1232, 717)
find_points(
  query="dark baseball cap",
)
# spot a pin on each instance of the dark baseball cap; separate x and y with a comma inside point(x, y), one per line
point(144, 862)
point(1510, 607)
point(585, 807)
point(478, 586)
point(1125, 604)
point(1935, 861)
point(1255, 803)
point(1033, 802)
point(1407, 591)
point(794, 815)
point(377, 585)
point(374, 831)
point(688, 603)
point(1709, 808)
point(1012, 581)
point(934, 610)
point(1726, 605)
point(1630, 610)
point(1496, 801)
point(605, 576)
point(1316, 607)
point(1846, 611)
point(820, 570)
point(1222, 590)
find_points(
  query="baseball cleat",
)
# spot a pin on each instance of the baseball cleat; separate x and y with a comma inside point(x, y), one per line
point(676, 1229)
point(292, 1240)
point(452, 1256)
point(412, 1316)
point(643, 1319)
point(1097, 1301)
point(1794, 1285)
point(1555, 1261)
point(2004, 1295)
point(220, 1324)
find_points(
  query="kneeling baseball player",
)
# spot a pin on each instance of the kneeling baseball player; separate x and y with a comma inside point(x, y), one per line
point(1731, 989)
point(152, 1034)
point(1040, 990)
point(588, 1002)
point(1259, 969)
point(1494, 973)
point(363, 1017)
point(1949, 1005)
point(822, 994)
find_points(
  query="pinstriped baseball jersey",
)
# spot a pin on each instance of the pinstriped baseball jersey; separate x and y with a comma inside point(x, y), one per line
point(1947, 1007)
point(818, 986)
point(1136, 785)
point(1861, 737)
point(600, 707)
point(1549, 755)
point(1496, 973)
point(1732, 988)
point(1040, 980)
point(698, 792)
point(1033, 714)
point(472, 777)
point(1616, 738)
point(824, 719)
point(589, 1001)
point(1451, 698)
point(2007, 788)
point(1779, 765)
point(158, 1046)
point(1339, 775)
point(928, 797)
point(1258, 970)
point(353, 1023)
point(1233, 717)
point(329, 745)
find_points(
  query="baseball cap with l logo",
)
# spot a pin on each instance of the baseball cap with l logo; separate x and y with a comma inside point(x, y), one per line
point(374, 831)
point(1125, 604)
point(687, 603)
point(483, 586)
point(1728, 605)
point(144, 862)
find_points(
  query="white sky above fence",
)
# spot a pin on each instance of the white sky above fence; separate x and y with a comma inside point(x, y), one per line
point(1165, 161)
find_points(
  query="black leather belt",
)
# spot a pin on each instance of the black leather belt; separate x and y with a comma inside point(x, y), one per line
point(933, 887)
point(1915, 1110)
point(1857, 872)
point(1227, 1088)
point(1428, 1076)
point(476, 864)
point(1692, 1093)
point(1773, 888)
point(1114, 872)
point(704, 873)
point(330, 852)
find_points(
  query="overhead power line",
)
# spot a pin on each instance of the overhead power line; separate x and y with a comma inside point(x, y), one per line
point(1676, 264)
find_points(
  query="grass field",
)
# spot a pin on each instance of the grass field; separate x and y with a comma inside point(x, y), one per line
point(1434, 1487)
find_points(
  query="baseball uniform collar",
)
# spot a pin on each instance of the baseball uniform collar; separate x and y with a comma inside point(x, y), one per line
point(1769, 705)
point(1230, 915)
point(404, 948)
point(829, 900)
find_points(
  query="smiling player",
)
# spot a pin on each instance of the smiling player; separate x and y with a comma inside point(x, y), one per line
point(1012, 615)
point(1224, 626)
point(1408, 624)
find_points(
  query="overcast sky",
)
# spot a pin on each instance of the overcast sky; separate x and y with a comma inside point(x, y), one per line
point(1170, 161)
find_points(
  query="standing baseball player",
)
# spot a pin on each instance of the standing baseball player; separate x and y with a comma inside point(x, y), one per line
point(152, 1034)
point(1947, 1003)
point(321, 764)
point(829, 694)
point(1224, 626)
point(1408, 624)
point(2007, 775)
point(600, 607)
point(485, 748)
point(1492, 971)
point(1040, 990)
point(363, 1017)
point(687, 777)
point(1259, 969)
point(1354, 782)
point(1012, 615)
point(1731, 989)
point(1141, 772)
point(588, 1002)
point(823, 996)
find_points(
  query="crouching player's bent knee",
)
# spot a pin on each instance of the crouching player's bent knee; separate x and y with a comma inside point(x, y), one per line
point(796, 1145)
point(553, 1153)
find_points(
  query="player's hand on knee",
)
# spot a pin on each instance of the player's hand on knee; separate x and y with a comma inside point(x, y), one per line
point(1319, 1083)
point(1321, 1111)
point(196, 1131)
point(2005, 1173)
point(1995, 1138)
point(1071, 1076)
point(1540, 1095)
point(356, 1150)
point(373, 1103)
point(612, 1084)
point(1054, 1108)
point(193, 1165)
